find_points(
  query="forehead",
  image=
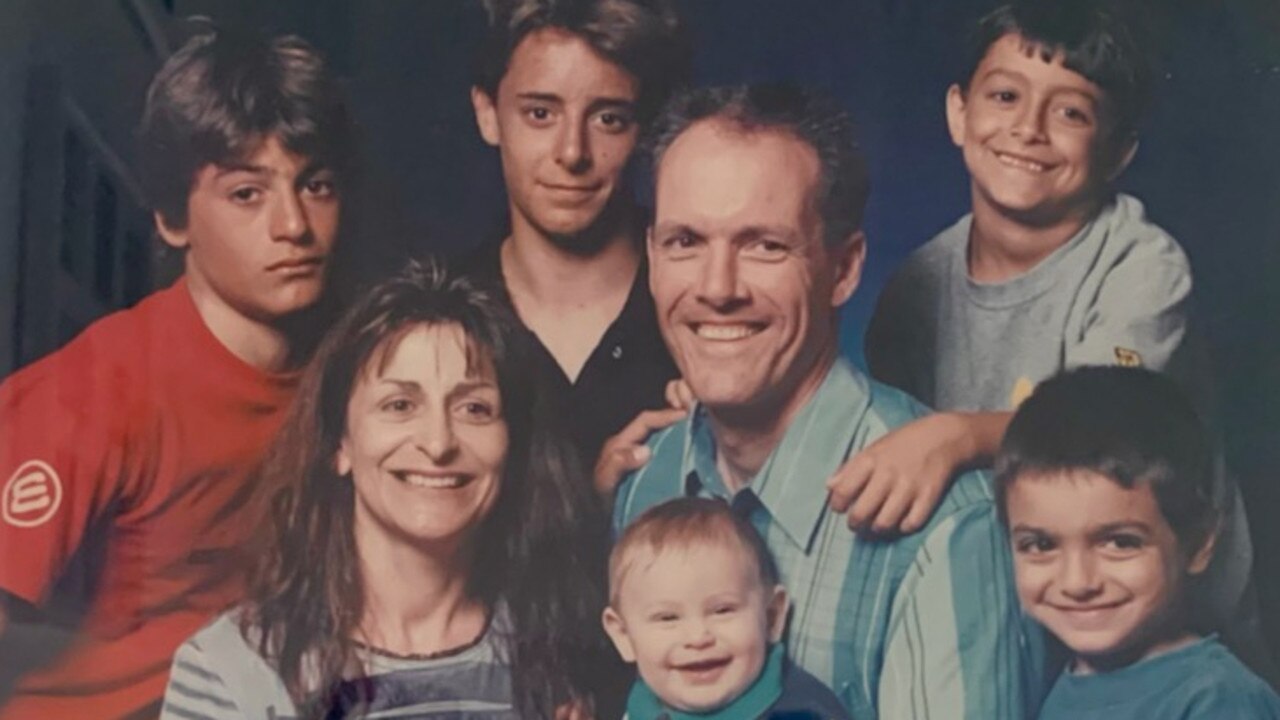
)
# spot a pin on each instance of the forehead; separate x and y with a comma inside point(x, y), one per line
point(440, 349)
point(718, 564)
point(1078, 500)
point(559, 63)
point(1013, 55)
point(717, 174)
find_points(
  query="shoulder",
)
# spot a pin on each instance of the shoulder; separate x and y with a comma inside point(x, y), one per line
point(660, 478)
point(1218, 685)
point(924, 268)
point(1132, 240)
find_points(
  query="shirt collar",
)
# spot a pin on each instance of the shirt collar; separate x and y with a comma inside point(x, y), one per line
point(792, 483)
point(643, 704)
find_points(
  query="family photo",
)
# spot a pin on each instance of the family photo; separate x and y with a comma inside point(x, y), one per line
point(644, 359)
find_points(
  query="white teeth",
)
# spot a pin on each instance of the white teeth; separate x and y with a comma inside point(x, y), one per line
point(1021, 163)
point(725, 332)
point(435, 482)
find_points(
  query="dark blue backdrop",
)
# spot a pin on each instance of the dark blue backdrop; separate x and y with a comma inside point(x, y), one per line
point(1208, 166)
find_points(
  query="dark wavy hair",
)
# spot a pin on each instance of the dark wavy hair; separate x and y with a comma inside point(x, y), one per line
point(1130, 425)
point(540, 550)
point(1102, 40)
point(220, 95)
point(643, 37)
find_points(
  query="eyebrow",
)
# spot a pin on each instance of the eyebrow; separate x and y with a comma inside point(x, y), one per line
point(1122, 525)
point(461, 388)
point(1082, 92)
point(309, 170)
point(595, 102)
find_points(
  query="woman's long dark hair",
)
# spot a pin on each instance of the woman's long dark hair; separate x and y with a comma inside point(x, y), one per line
point(540, 550)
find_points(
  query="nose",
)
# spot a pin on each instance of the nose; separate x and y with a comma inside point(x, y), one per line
point(720, 283)
point(697, 635)
point(1079, 579)
point(288, 218)
point(435, 437)
point(1028, 124)
point(573, 148)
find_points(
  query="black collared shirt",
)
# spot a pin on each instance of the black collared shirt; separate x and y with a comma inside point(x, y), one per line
point(625, 374)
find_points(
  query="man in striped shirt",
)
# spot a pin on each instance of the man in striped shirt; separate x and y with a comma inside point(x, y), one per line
point(756, 243)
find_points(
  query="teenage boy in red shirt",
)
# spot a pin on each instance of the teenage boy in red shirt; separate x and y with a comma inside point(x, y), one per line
point(133, 446)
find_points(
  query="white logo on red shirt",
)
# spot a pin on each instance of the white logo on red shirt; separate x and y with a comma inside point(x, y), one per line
point(32, 495)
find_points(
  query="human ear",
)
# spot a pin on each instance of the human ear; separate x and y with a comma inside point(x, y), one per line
point(1199, 560)
point(173, 237)
point(486, 115)
point(342, 459)
point(776, 612)
point(1127, 148)
point(955, 114)
point(616, 629)
point(847, 257)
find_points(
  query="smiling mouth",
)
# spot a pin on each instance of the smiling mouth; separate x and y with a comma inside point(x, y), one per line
point(726, 332)
point(432, 481)
point(1021, 163)
point(704, 670)
point(571, 189)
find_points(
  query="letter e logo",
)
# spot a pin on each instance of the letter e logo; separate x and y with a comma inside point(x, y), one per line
point(32, 495)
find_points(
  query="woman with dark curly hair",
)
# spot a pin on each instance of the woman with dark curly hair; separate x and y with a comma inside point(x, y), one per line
point(429, 549)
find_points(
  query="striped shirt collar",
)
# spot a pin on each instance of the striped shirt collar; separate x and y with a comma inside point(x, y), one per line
point(791, 485)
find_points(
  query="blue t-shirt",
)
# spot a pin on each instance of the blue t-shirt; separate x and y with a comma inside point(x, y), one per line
point(1201, 680)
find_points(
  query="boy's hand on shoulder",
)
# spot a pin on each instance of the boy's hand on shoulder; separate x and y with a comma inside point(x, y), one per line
point(626, 451)
point(893, 485)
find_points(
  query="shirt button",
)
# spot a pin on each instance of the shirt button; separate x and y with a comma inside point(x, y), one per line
point(617, 352)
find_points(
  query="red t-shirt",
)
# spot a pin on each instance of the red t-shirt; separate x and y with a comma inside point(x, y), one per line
point(146, 427)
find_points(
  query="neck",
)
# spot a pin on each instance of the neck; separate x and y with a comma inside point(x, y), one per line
point(571, 272)
point(262, 345)
point(1004, 245)
point(415, 601)
point(745, 437)
point(1173, 634)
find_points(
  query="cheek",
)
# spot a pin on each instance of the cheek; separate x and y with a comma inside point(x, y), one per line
point(1032, 579)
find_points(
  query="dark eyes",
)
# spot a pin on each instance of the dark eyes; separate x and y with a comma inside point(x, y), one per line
point(1034, 545)
point(246, 194)
point(399, 405)
point(320, 187)
point(477, 411)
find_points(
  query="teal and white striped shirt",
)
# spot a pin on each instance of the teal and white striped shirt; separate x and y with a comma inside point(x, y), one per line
point(919, 627)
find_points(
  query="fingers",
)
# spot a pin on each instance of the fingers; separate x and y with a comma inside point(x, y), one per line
point(847, 484)
point(615, 463)
point(678, 394)
point(626, 451)
point(647, 422)
point(875, 493)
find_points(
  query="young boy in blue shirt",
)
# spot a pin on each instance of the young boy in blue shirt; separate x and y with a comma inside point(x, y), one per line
point(1052, 270)
point(695, 603)
point(1105, 482)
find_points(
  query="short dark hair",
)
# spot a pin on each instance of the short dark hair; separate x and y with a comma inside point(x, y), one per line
point(814, 118)
point(644, 37)
point(683, 523)
point(1097, 39)
point(1127, 424)
point(224, 92)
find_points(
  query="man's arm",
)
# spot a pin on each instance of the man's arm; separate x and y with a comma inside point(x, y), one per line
point(956, 646)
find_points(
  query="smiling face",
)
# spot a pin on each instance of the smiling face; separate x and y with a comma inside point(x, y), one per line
point(258, 234)
point(1098, 565)
point(1037, 137)
point(745, 289)
point(564, 123)
point(697, 622)
point(425, 441)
